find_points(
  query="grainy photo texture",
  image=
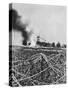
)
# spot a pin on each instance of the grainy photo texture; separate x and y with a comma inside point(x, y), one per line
point(37, 44)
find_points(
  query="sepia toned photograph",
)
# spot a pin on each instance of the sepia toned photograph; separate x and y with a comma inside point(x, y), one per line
point(37, 44)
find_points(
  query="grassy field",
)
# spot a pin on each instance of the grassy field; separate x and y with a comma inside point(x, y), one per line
point(36, 66)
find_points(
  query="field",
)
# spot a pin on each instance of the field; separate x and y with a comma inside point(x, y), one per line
point(36, 66)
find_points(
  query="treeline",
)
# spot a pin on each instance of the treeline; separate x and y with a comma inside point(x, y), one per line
point(47, 44)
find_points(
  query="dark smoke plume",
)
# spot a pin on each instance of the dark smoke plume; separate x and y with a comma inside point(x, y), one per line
point(15, 24)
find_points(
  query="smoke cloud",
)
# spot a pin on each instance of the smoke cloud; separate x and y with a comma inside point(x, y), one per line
point(16, 24)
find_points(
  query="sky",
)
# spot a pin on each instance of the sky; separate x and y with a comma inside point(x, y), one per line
point(45, 20)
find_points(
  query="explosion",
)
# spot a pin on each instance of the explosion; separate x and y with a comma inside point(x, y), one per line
point(21, 33)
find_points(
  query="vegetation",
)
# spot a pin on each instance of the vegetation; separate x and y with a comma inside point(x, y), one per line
point(47, 44)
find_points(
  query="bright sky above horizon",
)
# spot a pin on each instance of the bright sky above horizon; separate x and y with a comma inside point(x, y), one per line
point(47, 21)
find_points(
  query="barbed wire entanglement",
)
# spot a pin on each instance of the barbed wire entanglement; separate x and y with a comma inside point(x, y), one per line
point(37, 66)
